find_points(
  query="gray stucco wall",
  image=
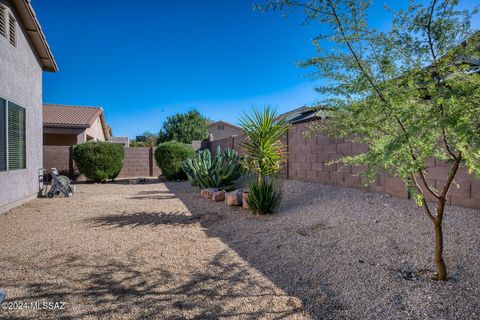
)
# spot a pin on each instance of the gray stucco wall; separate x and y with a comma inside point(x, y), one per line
point(96, 131)
point(21, 83)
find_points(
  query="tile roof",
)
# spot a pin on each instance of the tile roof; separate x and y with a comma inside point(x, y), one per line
point(294, 111)
point(57, 115)
point(305, 114)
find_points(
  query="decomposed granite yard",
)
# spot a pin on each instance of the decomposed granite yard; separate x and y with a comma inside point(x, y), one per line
point(159, 251)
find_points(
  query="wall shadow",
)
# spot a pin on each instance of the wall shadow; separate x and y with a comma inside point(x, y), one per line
point(123, 289)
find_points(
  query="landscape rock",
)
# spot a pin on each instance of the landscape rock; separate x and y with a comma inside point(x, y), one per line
point(208, 193)
point(234, 198)
point(218, 195)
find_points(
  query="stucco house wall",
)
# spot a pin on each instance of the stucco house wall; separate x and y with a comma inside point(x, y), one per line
point(21, 83)
point(221, 130)
point(95, 132)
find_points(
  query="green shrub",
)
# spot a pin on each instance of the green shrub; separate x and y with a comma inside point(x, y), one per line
point(265, 195)
point(220, 172)
point(99, 161)
point(170, 157)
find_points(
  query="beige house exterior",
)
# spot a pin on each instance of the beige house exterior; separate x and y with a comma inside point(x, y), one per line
point(221, 130)
point(71, 125)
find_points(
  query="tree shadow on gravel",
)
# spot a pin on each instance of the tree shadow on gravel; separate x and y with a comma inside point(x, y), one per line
point(105, 288)
point(152, 197)
point(149, 219)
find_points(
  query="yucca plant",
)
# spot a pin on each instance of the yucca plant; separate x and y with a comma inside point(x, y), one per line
point(219, 172)
point(264, 152)
point(264, 195)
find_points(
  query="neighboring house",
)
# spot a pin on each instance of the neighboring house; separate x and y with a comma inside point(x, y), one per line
point(305, 114)
point(24, 55)
point(220, 130)
point(70, 125)
point(120, 140)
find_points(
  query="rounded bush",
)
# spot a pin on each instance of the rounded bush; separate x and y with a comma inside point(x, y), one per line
point(99, 161)
point(170, 157)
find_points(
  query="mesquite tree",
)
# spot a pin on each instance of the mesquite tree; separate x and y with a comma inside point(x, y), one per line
point(412, 93)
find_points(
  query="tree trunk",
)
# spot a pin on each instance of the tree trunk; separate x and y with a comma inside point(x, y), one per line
point(438, 256)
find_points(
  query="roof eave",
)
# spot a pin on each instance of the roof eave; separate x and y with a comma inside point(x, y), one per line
point(104, 125)
point(35, 32)
point(224, 122)
point(66, 125)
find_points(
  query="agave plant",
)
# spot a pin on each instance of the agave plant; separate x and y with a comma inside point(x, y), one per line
point(219, 172)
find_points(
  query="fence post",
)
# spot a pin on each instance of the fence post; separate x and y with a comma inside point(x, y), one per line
point(150, 162)
point(288, 155)
point(70, 162)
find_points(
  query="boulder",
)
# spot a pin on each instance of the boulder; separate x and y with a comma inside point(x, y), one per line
point(218, 195)
point(234, 198)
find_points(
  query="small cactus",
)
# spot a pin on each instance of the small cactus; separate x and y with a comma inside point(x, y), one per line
point(219, 172)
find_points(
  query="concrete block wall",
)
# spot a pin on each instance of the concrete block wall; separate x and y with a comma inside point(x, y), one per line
point(222, 143)
point(138, 162)
point(308, 160)
point(59, 157)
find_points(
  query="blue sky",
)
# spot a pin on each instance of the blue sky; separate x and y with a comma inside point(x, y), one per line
point(143, 61)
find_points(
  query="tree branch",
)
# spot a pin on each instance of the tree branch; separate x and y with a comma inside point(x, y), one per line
point(428, 30)
point(424, 180)
point(424, 201)
point(454, 156)
point(451, 176)
point(305, 6)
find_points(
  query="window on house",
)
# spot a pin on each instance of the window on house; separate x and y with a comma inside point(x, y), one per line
point(3, 21)
point(221, 127)
point(12, 30)
point(12, 136)
point(3, 135)
point(16, 149)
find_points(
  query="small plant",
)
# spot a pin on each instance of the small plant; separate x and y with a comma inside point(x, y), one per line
point(99, 161)
point(264, 195)
point(170, 156)
point(221, 172)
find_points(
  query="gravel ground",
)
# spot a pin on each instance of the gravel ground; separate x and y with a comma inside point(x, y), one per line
point(160, 251)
